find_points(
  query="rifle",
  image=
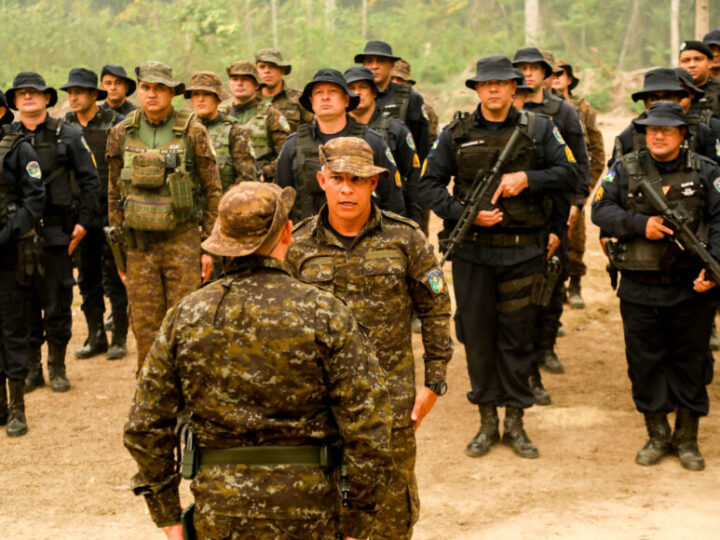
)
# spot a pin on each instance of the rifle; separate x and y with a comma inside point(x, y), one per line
point(684, 236)
point(481, 185)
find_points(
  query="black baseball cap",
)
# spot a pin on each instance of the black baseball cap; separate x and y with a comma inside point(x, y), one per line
point(662, 113)
point(699, 46)
point(84, 78)
point(8, 117)
point(30, 79)
point(712, 37)
point(659, 80)
point(360, 73)
point(532, 55)
point(119, 71)
point(495, 67)
point(331, 76)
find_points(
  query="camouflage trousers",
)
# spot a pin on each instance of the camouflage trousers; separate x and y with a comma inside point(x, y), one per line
point(156, 279)
point(214, 527)
point(577, 247)
point(399, 510)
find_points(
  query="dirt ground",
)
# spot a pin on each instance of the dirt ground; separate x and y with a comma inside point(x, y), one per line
point(69, 476)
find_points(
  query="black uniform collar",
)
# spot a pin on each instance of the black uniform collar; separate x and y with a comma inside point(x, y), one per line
point(316, 133)
point(389, 91)
point(482, 123)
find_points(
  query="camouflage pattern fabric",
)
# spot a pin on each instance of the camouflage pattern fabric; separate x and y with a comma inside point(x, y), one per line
point(259, 358)
point(234, 528)
point(286, 101)
point(158, 278)
point(237, 144)
point(433, 121)
point(596, 153)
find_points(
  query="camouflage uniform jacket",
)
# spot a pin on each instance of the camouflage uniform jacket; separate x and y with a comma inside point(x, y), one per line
point(259, 358)
point(205, 171)
point(277, 129)
point(286, 101)
point(239, 146)
point(388, 270)
point(593, 138)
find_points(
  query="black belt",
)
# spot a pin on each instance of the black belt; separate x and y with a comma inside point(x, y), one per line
point(505, 239)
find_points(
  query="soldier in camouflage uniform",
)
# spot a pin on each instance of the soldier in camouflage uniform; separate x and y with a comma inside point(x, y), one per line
point(272, 69)
point(267, 125)
point(163, 185)
point(262, 361)
point(383, 268)
point(233, 149)
point(564, 84)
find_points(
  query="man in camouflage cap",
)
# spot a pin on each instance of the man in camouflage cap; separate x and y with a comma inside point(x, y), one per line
point(383, 268)
point(275, 374)
point(163, 187)
point(231, 141)
point(267, 125)
point(272, 69)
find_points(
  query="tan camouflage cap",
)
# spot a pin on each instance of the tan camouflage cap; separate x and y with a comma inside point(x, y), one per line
point(158, 72)
point(401, 70)
point(272, 56)
point(251, 214)
point(350, 155)
point(242, 67)
point(550, 59)
point(207, 81)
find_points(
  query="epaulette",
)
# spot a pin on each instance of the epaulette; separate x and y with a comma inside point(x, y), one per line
point(298, 226)
point(402, 219)
point(182, 120)
point(132, 119)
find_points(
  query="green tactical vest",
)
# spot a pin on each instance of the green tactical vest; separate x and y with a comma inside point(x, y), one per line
point(686, 192)
point(157, 182)
point(477, 150)
point(8, 191)
point(220, 136)
point(257, 125)
point(310, 197)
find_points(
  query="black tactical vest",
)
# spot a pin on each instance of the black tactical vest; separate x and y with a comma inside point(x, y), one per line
point(476, 151)
point(310, 197)
point(549, 106)
point(8, 190)
point(381, 125)
point(711, 100)
point(54, 159)
point(639, 143)
point(398, 107)
point(683, 190)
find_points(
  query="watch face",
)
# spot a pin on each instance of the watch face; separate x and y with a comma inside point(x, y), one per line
point(439, 388)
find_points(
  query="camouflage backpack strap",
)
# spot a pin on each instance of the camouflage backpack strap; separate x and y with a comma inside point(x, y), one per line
point(182, 121)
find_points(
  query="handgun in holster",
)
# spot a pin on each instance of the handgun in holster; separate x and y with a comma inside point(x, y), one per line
point(543, 288)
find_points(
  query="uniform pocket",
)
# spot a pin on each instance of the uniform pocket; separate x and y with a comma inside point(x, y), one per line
point(146, 214)
point(148, 170)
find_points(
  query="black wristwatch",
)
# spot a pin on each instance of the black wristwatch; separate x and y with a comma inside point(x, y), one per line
point(439, 388)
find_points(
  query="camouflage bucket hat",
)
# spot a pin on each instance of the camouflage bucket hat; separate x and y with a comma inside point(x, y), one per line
point(401, 70)
point(350, 155)
point(272, 56)
point(242, 67)
point(251, 214)
point(206, 81)
point(158, 72)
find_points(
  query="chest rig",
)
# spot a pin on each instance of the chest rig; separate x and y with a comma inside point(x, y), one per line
point(257, 125)
point(220, 137)
point(476, 150)
point(53, 155)
point(398, 107)
point(157, 187)
point(96, 138)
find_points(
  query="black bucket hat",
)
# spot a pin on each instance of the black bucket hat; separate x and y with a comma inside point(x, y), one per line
point(567, 68)
point(532, 55)
point(30, 79)
point(522, 87)
point(692, 45)
point(712, 37)
point(495, 67)
point(8, 117)
point(360, 73)
point(687, 80)
point(331, 76)
point(659, 80)
point(84, 78)
point(662, 113)
point(376, 48)
point(119, 71)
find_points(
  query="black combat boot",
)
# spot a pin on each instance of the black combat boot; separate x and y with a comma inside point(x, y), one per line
point(3, 401)
point(117, 348)
point(97, 342)
point(542, 396)
point(34, 377)
point(514, 434)
point(17, 424)
point(658, 445)
point(575, 299)
point(488, 435)
point(56, 368)
point(684, 440)
point(552, 363)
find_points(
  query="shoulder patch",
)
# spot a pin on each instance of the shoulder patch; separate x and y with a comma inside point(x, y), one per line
point(600, 193)
point(410, 141)
point(717, 147)
point(284, 123)
point(435, 144)
point(398, 179)
point(424, 168)
point(556, 134)
point(33, 169)
point(391, 159)
point(569, 155)
point(716, 184)
point(436, 280)
point(416, 161)
point(610, 176)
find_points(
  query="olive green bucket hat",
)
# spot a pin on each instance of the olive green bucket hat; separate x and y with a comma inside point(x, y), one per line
point(351, 155)
point(272, 56)
point(158, 72)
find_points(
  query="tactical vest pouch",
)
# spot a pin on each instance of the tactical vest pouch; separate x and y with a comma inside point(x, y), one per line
point(149, 214)
point(148, 170)
point(181, 191)
point(30, 262)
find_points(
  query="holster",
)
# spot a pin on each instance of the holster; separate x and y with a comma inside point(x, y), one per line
point(30, 259)
point(543, 288)
point(118, 246)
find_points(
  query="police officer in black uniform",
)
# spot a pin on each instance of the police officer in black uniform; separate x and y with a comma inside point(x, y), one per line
point(399, 100)
point(299, 162)
point(665, 310)
point(694, 117)
point(72, 187)
point(697, 57)
point(118, 86)
point(22, 196)
point(665, 84)
point(395, 134)
point(496, 265)
point(97, 271)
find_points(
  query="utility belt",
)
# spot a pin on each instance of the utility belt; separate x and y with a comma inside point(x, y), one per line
point(142, 240)
point(488, 239)
point(679, 277)
point(66, 218)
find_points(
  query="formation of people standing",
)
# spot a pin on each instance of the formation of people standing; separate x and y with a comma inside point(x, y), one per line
point(292, 367)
